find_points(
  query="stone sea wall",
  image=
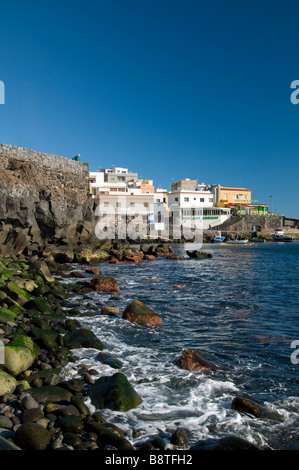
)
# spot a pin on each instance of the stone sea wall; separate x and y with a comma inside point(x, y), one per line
point(43, 197)
point(46, 159)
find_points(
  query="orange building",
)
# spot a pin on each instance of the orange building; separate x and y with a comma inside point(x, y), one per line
point(146, 186)
point(232, 196)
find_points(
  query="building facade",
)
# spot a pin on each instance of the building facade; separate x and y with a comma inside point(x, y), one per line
point(196, 208)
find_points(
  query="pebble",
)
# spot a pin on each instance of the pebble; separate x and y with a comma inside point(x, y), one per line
point(5, 422)
point(29, 403)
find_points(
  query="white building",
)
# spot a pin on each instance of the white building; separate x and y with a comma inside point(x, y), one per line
point(111, 181)
point(196, 208)
point(96, 181)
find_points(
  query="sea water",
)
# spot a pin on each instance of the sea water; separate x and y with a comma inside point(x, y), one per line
point(238, 309)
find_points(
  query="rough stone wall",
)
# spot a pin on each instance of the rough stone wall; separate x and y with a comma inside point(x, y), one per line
point(48, 159)
point(260, 222)
point(57, 179)
point(43, 199)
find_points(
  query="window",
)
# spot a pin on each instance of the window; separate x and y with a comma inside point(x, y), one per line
point(158, 200)
point(106, 204)
point(202, 199)
point(146, 204)
point(225, 196)
point(176, 198)
point(186, 199)
point(132, 204)
point(210, 199)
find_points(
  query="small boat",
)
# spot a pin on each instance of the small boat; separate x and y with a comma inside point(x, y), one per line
point(258, 240)
point(218, 238)
point(279, 236)
point(237, 242)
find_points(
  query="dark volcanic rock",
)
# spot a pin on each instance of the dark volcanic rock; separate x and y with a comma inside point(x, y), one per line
point(49, 393)
point(111, 311)
point(32, 436)
point(198, 254)
point(138, 312)
point(71, 423)
point(191, 360)
point(82, 338)
point(251, 407)
point(104, 284)
point(114, 393)
point(108, 437)
point(180, 438)
point(226, 443)
point(110, 360)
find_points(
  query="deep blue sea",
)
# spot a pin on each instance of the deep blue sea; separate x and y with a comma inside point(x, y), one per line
point(239, 309)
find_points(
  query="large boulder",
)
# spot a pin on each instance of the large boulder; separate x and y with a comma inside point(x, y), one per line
point(61, 254)
point(21, 296)
point(32, 436)
point(115, 393)
point(41, 268)
point(199, 254)
point(88, 256)
point(225, 443)
point(19, 355)
point(104, 284)
point(137, 312)
point(7, 316)
point(192, 361)
point(109, 437)
point(39, 304)
point(45, 338)
point(251, 407)
point(110, 360)
point(82, 338)
point(50, 394)
point(7, 383)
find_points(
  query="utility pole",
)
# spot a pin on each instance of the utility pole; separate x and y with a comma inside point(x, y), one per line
point(271, 203)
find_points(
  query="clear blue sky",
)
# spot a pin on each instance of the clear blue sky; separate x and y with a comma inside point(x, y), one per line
point(168, 88)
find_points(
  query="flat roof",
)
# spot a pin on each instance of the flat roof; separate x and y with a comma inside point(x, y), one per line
point(235, 189)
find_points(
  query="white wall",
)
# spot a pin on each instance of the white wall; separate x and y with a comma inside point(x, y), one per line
point(194, 199)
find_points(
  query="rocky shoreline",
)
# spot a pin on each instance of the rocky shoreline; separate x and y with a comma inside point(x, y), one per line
point(39, 409)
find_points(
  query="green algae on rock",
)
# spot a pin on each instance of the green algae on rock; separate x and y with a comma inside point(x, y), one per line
point(137, 312)
point(115, 393)
point(19, 355)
